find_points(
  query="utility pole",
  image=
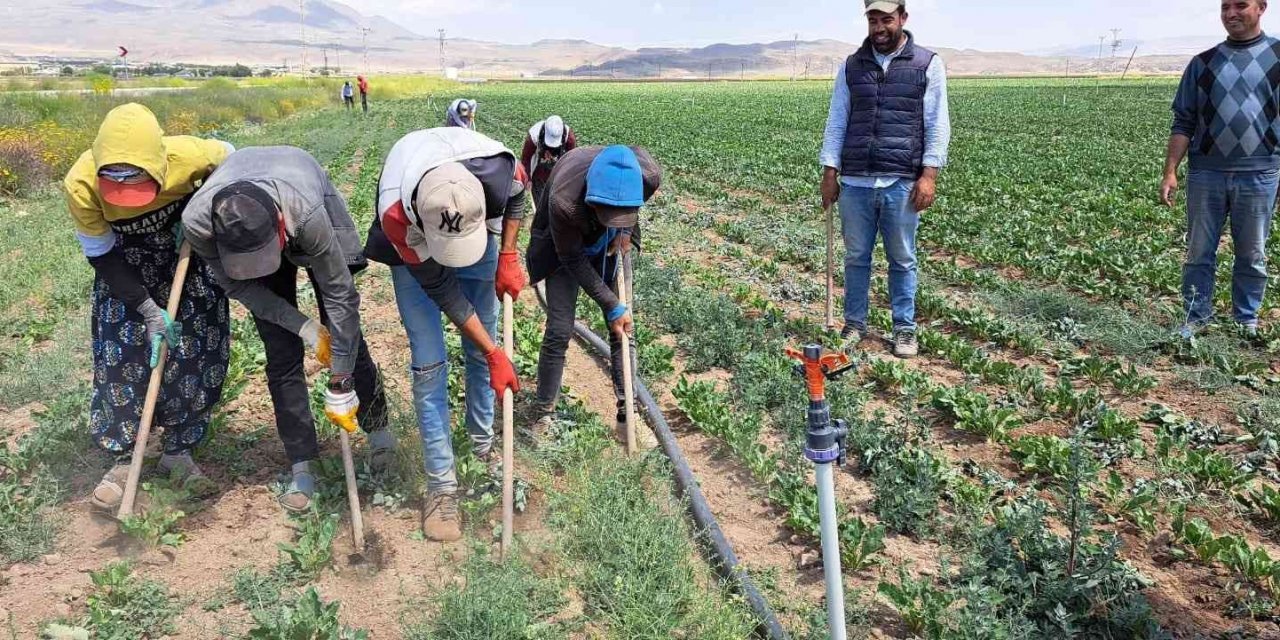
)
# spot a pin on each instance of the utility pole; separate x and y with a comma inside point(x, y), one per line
point(795, 55)
point(337, 60)
point(742, 69)
point(302, 29)
point(364, 42)
point(442, 67)
point(325, 51)
point(1101, 41)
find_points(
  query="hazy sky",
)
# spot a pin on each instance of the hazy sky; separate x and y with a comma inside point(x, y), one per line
point(1008, 25)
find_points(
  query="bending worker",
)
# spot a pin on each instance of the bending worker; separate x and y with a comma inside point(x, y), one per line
point(589, 221)
point(267, 212)
point(547, 141)
point(126, 196)
point(461, 113)
point(444, 197)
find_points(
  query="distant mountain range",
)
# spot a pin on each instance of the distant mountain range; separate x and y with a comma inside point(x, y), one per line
point(271, 32)
point(1178, 46)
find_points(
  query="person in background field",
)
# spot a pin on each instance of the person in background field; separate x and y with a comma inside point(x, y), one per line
point(450, 207)
point(265, 213)
point(886, 140)
point(587, 220)
point(546, 142)
point(363, 85)
point(1225, 117)
point(125, 196)
point(347, 95)
point(461, 113)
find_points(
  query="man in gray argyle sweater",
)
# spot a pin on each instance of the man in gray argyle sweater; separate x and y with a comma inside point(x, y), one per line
point(1225, 115)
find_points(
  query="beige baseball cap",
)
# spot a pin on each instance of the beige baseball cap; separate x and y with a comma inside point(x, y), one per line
point(449, 203)
point(885, 6)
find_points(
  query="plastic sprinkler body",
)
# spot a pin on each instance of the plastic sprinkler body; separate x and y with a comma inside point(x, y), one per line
point(824, 445)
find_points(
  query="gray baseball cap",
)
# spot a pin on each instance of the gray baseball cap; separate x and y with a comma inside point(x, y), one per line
point(886, 6)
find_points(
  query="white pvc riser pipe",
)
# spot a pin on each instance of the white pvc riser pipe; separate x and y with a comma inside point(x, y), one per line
point(824, 474)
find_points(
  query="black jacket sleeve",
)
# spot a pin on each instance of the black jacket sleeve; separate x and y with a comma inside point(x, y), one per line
point(120, 277)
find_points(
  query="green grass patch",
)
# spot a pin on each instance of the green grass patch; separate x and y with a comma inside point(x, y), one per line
point(634, 562)
point(36, 473)
point(495, 601)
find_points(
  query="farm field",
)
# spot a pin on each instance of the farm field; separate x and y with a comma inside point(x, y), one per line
point(1053, 465)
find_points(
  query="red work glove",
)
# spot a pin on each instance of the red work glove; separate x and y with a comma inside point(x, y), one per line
point(510, 278)
point(502, 375)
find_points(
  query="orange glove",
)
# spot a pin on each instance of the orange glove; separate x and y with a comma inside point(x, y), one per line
point(510, 277)
point(502, 375)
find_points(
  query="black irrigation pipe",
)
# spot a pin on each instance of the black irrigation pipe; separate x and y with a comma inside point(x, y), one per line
point(722, 557)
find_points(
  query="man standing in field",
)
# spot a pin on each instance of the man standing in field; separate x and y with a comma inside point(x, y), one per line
point(885, 142)
point(347, 98)
point(363, 85)
point(450, 207)
point(1225, 115)
point(587, 219)
point(265, 213)
point(547, 141)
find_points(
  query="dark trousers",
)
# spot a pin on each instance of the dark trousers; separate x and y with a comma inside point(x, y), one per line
point(364, 101)
point(562, 306)
point(287, 381)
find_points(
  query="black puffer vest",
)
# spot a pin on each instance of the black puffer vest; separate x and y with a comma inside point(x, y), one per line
point(885, 134)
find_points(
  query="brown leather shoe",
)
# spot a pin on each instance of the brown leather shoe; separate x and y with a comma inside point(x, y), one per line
point(441, 521)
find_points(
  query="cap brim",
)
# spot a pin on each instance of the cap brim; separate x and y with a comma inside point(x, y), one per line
point(459, 252)
point(554, 143)
point(123, 194)
point(250, 265)
point(618, 217)
point(883, 7)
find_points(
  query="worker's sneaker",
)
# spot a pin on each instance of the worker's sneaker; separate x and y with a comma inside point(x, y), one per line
point(904, 343)
point(382, 450)
point(1249, 331)
point(440, 520)
point(110, 490)
point(184, 472)
point(851, 336)
point(297, 496)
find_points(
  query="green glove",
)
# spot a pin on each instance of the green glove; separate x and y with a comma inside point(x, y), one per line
point(161, 328)
point(179, 234)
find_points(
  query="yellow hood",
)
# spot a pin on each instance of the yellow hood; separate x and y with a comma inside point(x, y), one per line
point(130, 134)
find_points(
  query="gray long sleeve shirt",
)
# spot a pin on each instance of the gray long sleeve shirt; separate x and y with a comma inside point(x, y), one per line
point(321, 237)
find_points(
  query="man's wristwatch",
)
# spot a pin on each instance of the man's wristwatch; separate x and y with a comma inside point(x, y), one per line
point(342, 384)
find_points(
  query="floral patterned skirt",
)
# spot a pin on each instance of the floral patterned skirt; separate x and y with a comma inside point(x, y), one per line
point(196, 366)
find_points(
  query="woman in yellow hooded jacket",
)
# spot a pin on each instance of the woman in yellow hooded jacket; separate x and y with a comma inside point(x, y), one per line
point(126, 196)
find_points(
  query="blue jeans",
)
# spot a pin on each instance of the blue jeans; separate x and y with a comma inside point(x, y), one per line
point(1248, 199)
point(423, 321)
point(864, 212)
